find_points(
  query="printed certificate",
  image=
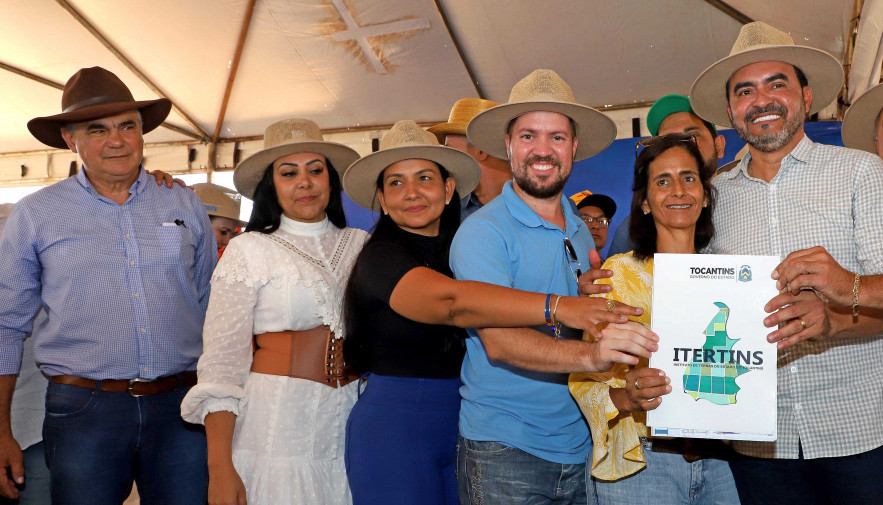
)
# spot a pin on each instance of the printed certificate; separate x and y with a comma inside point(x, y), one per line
point(708, 312)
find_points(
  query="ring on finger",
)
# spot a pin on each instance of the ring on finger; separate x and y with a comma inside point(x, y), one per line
point(802, 323)
point(637, 386)
point(609, 305)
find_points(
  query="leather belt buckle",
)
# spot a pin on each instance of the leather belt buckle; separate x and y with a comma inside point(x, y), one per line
point(133, 382)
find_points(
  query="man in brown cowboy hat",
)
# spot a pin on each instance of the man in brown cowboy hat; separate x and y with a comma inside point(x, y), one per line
point(522, 436)
point(494, 171)
point(121, 267)
point(789, 193)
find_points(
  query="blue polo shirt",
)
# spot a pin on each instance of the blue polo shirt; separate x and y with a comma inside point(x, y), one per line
point(508, 244)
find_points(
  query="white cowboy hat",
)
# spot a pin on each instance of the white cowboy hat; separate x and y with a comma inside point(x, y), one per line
point(405, 141)
point(219, 201)
point(289, 136)
point(761, 42)
point(859, 122)
point(542, 90)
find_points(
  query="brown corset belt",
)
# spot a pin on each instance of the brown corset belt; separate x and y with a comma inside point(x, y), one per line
point(315, 355)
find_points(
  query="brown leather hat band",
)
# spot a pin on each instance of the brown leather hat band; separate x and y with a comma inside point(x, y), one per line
point(91, 101)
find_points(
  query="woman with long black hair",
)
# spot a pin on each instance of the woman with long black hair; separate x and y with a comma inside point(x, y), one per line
point(273, 392)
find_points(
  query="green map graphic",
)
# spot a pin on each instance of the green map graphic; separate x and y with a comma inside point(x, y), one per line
point(715, 382)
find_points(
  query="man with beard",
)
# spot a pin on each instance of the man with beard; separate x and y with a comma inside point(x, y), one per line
point(789, 193)
point(523, 439)
point(673, 114)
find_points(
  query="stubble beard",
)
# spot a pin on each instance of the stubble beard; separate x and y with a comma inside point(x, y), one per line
point(522, 179)
point(772, 141)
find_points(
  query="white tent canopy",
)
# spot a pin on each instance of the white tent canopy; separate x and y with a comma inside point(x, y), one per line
point(355, 66)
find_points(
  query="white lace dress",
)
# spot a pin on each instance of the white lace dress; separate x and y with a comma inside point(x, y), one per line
point(289, 438)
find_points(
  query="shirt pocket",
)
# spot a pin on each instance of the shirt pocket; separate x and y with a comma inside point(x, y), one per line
point(177, 245)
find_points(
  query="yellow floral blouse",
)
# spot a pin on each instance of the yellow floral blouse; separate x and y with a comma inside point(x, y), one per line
point(617, 448)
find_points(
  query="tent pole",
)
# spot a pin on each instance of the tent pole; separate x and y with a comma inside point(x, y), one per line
point(129, 64)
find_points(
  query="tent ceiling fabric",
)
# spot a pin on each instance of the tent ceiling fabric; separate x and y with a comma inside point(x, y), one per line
point(614, 53)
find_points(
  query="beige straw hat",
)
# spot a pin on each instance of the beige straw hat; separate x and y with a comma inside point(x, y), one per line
point(858, 123)
point(542, 90)
point(289, 136)
point(726, 167)
point(463, 111)
point(405, 141)
point(219, 201)
point(761, 42)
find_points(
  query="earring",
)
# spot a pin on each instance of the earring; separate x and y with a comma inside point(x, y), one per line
point(705, 205)
point(646, 212)
point(385, 213)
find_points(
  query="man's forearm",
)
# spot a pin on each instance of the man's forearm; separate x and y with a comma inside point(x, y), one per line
point(869, 322)
point(7, 387)
point(529, 349)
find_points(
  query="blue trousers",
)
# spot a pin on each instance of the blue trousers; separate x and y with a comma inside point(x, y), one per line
point(822, 481)
point(490, 473)
point(35, 490)
point(98, 442)
point(401, 442)
point(668, 479)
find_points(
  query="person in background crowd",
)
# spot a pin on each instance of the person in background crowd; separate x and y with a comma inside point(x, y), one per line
point(596, 211)
point(494, 171)
point(222, 206)
point(789, 193)
point(673, 114)
point(121, 267)
point(27, 417)
point(672, 212)
point(275, 419)
point(403, 306)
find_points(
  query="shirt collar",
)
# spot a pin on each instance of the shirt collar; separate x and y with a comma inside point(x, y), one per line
point(801, 153)
point(523, 213)
point(138, 187)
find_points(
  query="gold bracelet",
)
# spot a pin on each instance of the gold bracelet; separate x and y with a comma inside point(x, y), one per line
point(855, 295)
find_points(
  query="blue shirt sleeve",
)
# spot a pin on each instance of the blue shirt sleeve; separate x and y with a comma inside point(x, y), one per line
point(206, 257)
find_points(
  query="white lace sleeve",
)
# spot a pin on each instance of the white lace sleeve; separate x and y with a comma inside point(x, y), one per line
point(227, 335)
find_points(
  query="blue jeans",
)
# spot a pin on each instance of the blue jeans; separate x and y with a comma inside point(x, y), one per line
point(490, 473)
point(35, 490)
point(98, 442)
point(841, 480)
point(668, 479)
point(401, 442)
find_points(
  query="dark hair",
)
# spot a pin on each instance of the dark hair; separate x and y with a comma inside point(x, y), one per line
point(266, 214)
point(354, 347)
point(801, 79)
point(642, 228)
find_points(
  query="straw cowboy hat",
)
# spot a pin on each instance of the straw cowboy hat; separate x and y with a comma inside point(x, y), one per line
point(860, 120)
point(761, 42)
point(94, 93)
point(542, 90)
point(289, 136)
point(726, 167)
point(463, 111)
point(219, 201)
point(405, 141)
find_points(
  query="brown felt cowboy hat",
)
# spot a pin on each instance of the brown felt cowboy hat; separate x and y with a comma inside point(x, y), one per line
point(94, 93)
point(289, 136)
point(860, 120)
point(405, 141)
point(758, 42)
point(542, 90)
point(461, 113)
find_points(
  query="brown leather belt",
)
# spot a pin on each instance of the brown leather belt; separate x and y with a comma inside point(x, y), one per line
point(315, 355)
point(135, 387)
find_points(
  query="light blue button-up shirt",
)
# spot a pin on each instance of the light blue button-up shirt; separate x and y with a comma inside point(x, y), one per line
point(507, 243)
point(125, 287)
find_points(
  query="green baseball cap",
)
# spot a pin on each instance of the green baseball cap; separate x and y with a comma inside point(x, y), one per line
point(666, 106)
